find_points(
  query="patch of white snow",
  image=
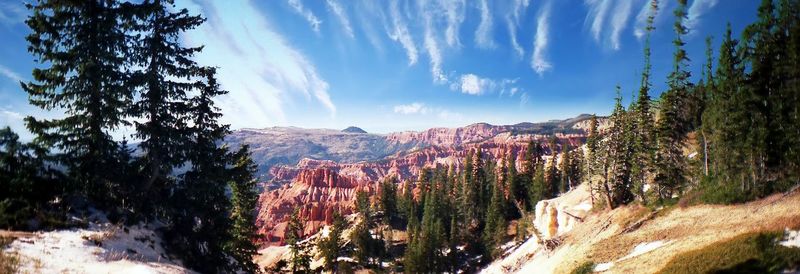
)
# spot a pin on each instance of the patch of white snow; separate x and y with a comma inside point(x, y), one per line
point(585, 206)
point(603, 267)
point(791, 239)
point(643, 248)
point(101, 248)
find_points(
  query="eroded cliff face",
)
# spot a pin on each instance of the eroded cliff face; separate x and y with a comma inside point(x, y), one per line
point(319, 187)
point(317, 193)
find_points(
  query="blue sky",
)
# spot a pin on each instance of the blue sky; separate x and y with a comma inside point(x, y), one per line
point(409, 65)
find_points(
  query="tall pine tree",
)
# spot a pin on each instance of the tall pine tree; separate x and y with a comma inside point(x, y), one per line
point(166, 77)
point(244, 198)
point(672, 124)
point(83, 46)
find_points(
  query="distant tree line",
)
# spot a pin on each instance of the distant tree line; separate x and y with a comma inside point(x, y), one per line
point(106, 65)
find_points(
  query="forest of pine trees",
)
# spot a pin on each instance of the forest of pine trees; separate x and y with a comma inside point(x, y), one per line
point(107, 65)
point(727, 138)
point(730, 137)
point(740, 120)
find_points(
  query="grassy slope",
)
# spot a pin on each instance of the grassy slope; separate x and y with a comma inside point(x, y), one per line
point(603, 236)
point(600, 239)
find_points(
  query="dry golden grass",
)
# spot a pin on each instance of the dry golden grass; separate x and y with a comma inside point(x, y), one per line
point(600, 239)
point(755, 252)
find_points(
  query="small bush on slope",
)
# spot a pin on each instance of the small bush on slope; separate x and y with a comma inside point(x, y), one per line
point(746, 253)
point(584, 268)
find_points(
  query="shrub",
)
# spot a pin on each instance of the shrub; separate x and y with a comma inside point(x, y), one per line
point(584, 268)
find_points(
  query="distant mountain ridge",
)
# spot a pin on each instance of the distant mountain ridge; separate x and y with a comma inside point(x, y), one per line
point(288, 145)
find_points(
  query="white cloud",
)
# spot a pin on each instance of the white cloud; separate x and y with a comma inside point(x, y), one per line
point(13, 12)
point(341, 14)
point(524, 99)
point(436, 57)
point(641, 21)
point(483, 35)
point(400, 33)
point(597, 15)
point(697, 10)
point(10, 74)
point(512, 21)
point(512, 33)
point(306, 13)
point(618, 21)
point(539, 61)
point(413, 108)
point(431, 44)
point(13, 119)
point(368, 13)
point(259, 68)
point(475, 85)
point(454, 13)
point(417, 108)
point(472, 84)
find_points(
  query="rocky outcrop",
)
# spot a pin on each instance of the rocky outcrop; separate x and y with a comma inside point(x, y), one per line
point(559, 215)
point(320, 187)
point(315, 193)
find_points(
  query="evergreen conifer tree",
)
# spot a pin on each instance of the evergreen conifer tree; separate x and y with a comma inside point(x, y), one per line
point(166, 77)
point(83, 46)
point(673, 125)
point(244, 197)
point(298, 250)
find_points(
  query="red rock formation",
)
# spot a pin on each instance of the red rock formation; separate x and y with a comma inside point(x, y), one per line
point(319, 188)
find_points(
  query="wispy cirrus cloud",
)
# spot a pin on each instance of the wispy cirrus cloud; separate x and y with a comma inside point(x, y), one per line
point(618, 22)
point(608, 18)
point(512, 22)
point(539, 61)
point(696, 11)
point(524, 99)
point(337, 10)
point(483, 35)
point(13, 12)
point(10, 74)
point(454, 9)
point(435, 55)
point(258, 67)
point(401, 34)
point(596, 16)
point(312, 19)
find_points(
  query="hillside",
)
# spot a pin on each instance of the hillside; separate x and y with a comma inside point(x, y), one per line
point(101, 247)
point(634, 239)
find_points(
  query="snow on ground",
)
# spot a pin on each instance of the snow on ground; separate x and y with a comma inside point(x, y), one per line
point(791, 238)
point(585, 206)
point(516, 256)
point(603, 267)
point(101, 248)
point(644, 248)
